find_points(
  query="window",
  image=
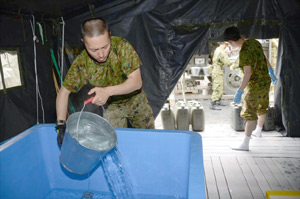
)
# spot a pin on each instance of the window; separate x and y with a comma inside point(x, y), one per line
point(9, 69)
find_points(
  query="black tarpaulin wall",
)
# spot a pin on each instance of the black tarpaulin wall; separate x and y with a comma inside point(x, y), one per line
point(166, 34)
point(287, 90)
point(18, 110)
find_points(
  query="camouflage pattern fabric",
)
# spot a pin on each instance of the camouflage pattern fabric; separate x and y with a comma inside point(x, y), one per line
point(136, 112)
point(218, 87)
point(220, 59)
point(210, 68)
point(256, 94)
point(255, 102)
point(120, 63)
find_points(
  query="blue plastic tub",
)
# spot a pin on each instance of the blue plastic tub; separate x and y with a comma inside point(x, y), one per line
point(162, 163)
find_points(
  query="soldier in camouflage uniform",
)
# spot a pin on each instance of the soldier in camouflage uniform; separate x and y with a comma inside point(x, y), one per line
point(112, 66)
point(220, 60)
point(255, 85)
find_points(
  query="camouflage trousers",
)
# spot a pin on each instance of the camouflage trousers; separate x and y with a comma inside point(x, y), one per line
point(137, 112)
point(255, 102)
point(218, 87)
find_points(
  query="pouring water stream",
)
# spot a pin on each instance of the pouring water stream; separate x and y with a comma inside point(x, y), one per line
point(116, 174)
point(84, 103)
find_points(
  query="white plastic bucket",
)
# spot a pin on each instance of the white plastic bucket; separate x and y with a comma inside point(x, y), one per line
point(195, 71)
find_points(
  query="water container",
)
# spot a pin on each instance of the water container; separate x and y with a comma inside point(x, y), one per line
point(205, 91)
point(237, 122)
point(195, 70)
point(182, 116)
point(83, 148)
point(269, 124)
point(161, 164)
point(205, 71)
point(197, 119)
point(167, 117)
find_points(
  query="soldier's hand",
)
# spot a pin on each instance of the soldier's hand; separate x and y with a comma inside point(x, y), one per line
point(101, 95)
point(60, 129)
point(272, 76)
point(238, 96)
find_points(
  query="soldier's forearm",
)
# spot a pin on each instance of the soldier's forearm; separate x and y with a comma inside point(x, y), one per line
point(62, 103)
point(133, 83)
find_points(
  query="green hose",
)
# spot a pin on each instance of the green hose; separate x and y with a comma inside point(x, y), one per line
point(55, 63)
point(41, 32)
point(71, 107)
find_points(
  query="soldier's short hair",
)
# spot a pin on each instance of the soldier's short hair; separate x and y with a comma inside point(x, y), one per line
point(93, 27)
point(231, 33)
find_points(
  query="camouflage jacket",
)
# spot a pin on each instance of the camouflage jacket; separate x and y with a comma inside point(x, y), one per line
point(220, 59)
point(120, 63)
point(252, 54)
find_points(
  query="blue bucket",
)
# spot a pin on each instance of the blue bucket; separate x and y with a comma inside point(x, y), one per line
point(83, 148)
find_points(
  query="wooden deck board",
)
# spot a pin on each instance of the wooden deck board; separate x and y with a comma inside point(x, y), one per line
point(250, 178)
point(237, 184)
point(284, 183)
point(260, 178)
point(272, 181)
point(220, 179)
point(211, 184)
point(290, 169)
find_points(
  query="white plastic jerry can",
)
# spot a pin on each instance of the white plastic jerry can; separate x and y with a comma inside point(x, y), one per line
point(167, 117)
point(237, 122)
point(182, 116)
point(269, 124)
point(197, 116)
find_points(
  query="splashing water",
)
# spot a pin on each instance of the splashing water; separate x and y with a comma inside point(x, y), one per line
point(118, 178)
point(115, 172)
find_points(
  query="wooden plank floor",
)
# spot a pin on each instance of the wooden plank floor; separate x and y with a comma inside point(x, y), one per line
point(273, 162)
point(246, 177)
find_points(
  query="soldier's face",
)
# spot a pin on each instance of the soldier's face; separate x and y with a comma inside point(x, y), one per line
point(98, 47)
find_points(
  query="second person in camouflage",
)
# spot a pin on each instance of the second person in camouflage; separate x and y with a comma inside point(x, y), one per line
point(220, 60)
point(255, 85)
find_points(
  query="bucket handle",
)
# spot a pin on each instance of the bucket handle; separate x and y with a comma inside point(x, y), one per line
point(90, 100)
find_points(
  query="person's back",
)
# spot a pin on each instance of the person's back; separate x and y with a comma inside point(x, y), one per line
point(221, 58)
point(252, 54)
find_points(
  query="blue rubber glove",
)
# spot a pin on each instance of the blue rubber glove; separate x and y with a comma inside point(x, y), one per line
point(273, 77)
point(238, 96)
